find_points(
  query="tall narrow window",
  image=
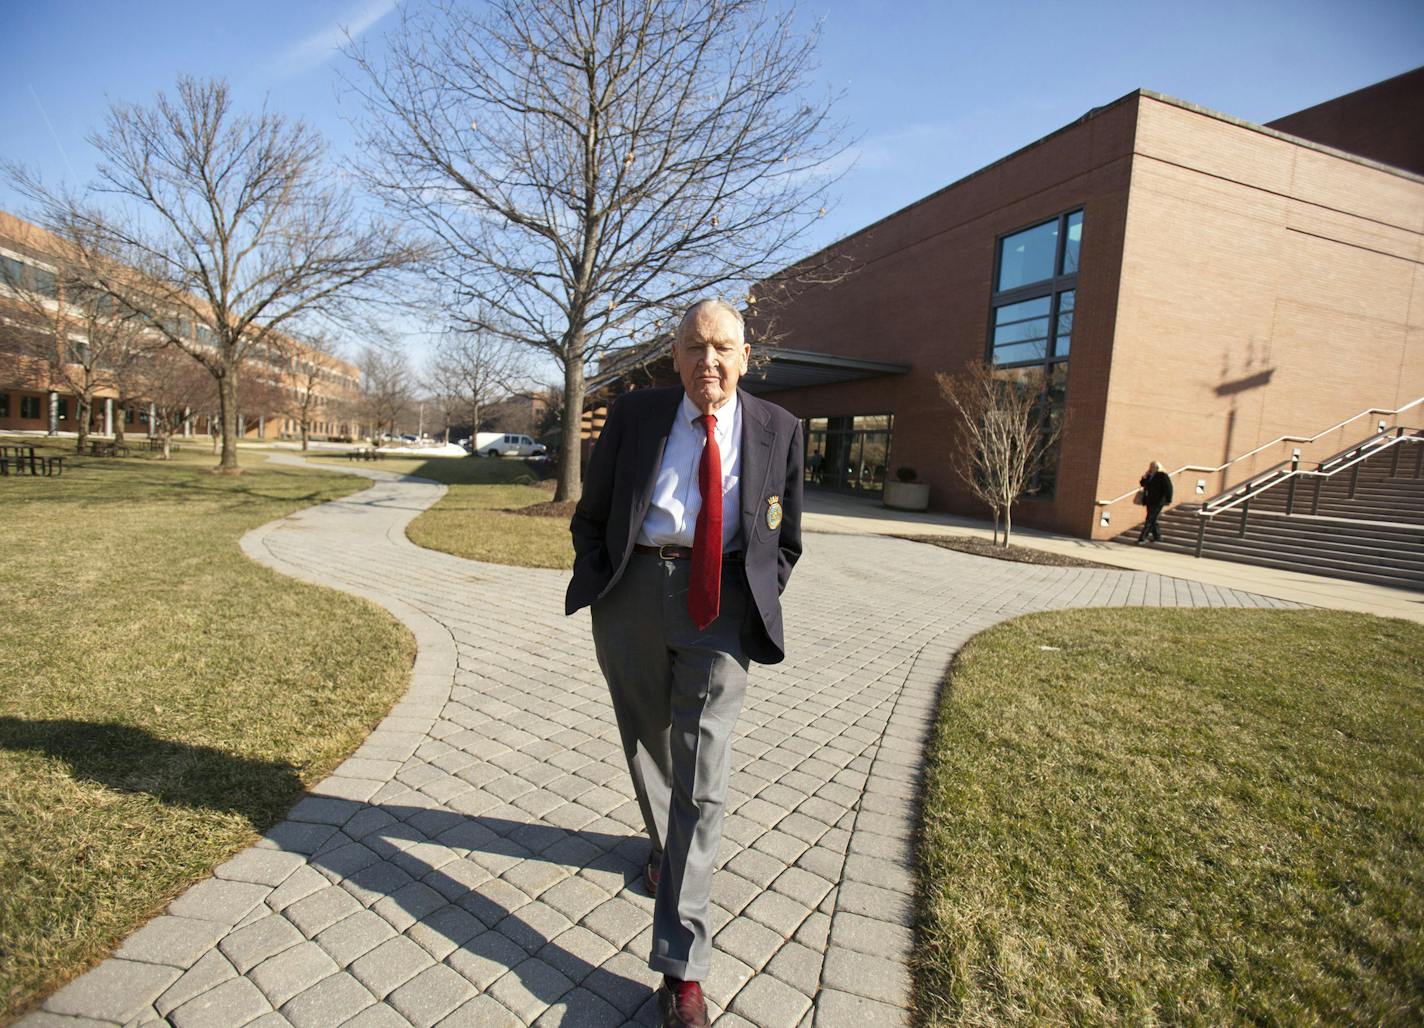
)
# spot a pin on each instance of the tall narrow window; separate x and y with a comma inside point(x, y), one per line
point(1035, 288)
point(1031, 314)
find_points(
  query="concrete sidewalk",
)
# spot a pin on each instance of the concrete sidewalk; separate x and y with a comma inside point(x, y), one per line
point(477, 860)
point(829, 512)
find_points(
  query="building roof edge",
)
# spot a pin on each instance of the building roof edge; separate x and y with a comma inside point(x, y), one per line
point(1266, 130)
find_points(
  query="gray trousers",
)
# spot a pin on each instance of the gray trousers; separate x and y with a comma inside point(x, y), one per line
point(676, 693)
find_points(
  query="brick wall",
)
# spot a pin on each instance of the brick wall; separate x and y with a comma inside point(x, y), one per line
point(1267, 289)
point(1384, 122)
point(920, 296)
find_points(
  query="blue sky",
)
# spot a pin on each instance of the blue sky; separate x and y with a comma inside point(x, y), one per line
point(932, 91)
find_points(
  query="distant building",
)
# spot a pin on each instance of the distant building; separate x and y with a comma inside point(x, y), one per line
point(521, 412)
point(1182, 285)
point(35, 397)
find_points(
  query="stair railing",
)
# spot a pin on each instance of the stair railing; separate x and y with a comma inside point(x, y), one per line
point(1290, 472)
point(1303, 440)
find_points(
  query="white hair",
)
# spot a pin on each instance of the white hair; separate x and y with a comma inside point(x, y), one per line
point(715, 304)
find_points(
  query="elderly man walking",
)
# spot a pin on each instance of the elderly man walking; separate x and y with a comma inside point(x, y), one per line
point(688, 529)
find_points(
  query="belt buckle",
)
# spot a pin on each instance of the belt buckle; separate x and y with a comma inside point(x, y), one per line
point(663, 551)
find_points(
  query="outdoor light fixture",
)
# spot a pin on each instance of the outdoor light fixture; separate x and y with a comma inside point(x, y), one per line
point(1381, 427)
point(1105, 518)
point(1201, 486)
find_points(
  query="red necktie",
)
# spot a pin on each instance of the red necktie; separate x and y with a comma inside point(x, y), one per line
point(704, 594)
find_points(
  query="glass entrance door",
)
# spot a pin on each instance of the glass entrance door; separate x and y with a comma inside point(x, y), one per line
point(848, 454)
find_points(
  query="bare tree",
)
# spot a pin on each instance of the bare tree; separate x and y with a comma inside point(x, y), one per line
point(233, 227)
point(589, 167)
point(263, 396)
point(477, 367)
point(443, 393)
point(1007, 433)
point(308, 396)
point(172, 385)
point(386, 384)
point(552, 416)
point(68, 321)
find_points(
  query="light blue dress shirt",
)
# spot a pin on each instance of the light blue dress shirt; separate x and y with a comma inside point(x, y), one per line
point(672, 515)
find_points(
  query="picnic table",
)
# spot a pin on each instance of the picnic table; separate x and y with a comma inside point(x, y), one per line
point(366, 454)
point(107, 448)
point(22, 458)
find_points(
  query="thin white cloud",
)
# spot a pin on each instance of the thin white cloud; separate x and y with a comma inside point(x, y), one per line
point(318, 47)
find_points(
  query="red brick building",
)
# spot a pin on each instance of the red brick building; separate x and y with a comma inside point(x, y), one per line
point(1185, 285)
point(38, 396)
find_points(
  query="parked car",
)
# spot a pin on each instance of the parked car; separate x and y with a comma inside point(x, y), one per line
point(506, 444)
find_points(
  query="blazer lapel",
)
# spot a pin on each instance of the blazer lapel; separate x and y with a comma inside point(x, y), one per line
point(654, 427)
point(757, 435)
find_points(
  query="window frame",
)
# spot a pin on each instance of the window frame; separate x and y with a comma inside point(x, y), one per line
point(1051, 288)
point(1054, 289)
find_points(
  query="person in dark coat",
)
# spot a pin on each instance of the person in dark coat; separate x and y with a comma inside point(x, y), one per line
point(686, 534)
point(1157, 493)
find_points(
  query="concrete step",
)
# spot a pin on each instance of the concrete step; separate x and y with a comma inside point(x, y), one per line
point(1353, 573)
point(1380, 553)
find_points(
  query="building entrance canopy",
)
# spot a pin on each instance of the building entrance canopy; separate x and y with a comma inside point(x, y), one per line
point(797, 369)
point(773, 369)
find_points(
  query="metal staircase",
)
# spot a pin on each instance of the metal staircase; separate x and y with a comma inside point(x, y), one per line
point(1358, 515)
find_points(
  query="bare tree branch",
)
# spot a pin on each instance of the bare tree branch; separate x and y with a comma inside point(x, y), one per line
point(589, 168)
point(227, 230)
point(1007, 432)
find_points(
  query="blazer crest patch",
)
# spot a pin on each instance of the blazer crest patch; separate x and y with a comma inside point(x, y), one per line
point(773, 513)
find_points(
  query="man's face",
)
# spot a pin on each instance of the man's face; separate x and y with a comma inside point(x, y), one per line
point(710, 355)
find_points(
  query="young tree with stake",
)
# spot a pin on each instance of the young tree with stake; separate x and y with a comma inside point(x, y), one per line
point(1006, 433)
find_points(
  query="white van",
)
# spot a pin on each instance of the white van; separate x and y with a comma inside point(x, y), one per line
point(505, 444)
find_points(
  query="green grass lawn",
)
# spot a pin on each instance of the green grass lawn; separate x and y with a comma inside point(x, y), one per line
point(1177, 817)
point(472, 521)
point(164, 698)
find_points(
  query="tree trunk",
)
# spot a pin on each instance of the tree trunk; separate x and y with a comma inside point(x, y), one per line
point(166, 437)
point(571, 446)
point(1008, 521)
point(86, 411)
point(227, 414)
point(119, 415)
point(305, 437)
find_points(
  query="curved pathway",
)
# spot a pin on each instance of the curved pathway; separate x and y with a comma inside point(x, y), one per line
point(477, 860)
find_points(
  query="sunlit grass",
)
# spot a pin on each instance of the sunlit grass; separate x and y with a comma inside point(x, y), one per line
point(164, 697)
point(1177, 817)
point(471, 521)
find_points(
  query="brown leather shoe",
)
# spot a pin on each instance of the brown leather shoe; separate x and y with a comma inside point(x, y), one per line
point(652, 870)
point(682, 1004)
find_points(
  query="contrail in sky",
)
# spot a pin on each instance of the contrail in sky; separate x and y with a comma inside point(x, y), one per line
point(53, 134)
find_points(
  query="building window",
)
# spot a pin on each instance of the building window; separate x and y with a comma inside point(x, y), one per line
point(23, 277)
point(1035, 291)
point(849, 454)
point(62, 406)
point(30, 408)
point(1031, 315)
point(4, 405)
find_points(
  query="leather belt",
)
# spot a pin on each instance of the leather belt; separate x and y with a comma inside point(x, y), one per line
point(669, 552)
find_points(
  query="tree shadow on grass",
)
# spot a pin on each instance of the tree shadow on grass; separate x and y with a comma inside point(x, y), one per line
point(129, 759)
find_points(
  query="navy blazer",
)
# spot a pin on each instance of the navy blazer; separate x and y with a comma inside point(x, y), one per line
point(618, 490)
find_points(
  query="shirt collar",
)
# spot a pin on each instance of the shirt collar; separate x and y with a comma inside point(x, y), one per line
point(725, 414)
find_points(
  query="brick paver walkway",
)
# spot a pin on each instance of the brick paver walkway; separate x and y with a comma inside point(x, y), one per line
point(477, 860)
